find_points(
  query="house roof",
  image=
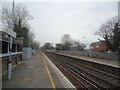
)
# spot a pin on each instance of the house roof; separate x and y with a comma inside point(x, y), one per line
point(98, 43)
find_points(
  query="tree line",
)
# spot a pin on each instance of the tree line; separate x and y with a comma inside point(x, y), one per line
point(109, 33)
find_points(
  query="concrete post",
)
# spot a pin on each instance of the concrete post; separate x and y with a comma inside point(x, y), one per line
point(16, 47)
point(10, 60)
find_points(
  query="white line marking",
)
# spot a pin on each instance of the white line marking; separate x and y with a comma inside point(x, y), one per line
point(64, 80)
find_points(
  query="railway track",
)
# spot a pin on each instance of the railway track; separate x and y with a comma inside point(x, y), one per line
point(95, 81)
point(107, 77)
point(91, 77)
point(74, 79)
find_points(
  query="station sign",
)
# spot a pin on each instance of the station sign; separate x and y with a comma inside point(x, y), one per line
point(10, 32)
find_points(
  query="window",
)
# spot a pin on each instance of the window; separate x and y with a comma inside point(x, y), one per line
point(97, 46)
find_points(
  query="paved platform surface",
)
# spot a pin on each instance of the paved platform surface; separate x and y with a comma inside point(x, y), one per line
point(115, 63)
point(36, 73)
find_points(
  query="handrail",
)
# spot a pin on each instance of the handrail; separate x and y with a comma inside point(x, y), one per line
point(7, 54)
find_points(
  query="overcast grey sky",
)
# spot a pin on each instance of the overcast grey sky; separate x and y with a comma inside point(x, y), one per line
point(79, 19)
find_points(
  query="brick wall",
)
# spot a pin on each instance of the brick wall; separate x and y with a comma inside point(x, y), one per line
point(99, 48)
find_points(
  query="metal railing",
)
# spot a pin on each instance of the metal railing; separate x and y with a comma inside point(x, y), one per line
point(7, 54)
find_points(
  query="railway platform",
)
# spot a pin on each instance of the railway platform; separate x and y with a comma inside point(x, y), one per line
point(110, 62)
point(38, 72)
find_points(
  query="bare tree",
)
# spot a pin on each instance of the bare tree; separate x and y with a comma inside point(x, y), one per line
point(31, 36)
point(110, 33)
point(35, 45)
point(66, 38)
point(67, 41)
point(16, 19)
point(19, 15)
point(78, 45)
point(107, 29)
point(7, 17)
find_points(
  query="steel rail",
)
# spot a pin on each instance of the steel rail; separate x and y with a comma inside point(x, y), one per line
point(77, 72)
point(95, 76)
point(73, 77)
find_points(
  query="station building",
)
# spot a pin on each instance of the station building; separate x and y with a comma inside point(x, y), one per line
point(4, 51)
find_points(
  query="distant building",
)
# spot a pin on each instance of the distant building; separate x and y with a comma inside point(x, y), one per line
point(58, 46)
point(76, 48)
point(98, 46)
point(47, 45)
point(16, 51)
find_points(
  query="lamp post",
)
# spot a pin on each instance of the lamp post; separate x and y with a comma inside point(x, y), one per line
point(90, 50)
point(84, 39)
point(84, 45)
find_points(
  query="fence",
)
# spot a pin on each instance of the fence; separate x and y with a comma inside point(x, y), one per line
point(104, 55)
point(16, 58)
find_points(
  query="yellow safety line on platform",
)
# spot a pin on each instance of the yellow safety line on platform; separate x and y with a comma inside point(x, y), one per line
point(53, 85)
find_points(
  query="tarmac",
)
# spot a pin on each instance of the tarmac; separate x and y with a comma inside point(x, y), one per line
point(37, 72)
